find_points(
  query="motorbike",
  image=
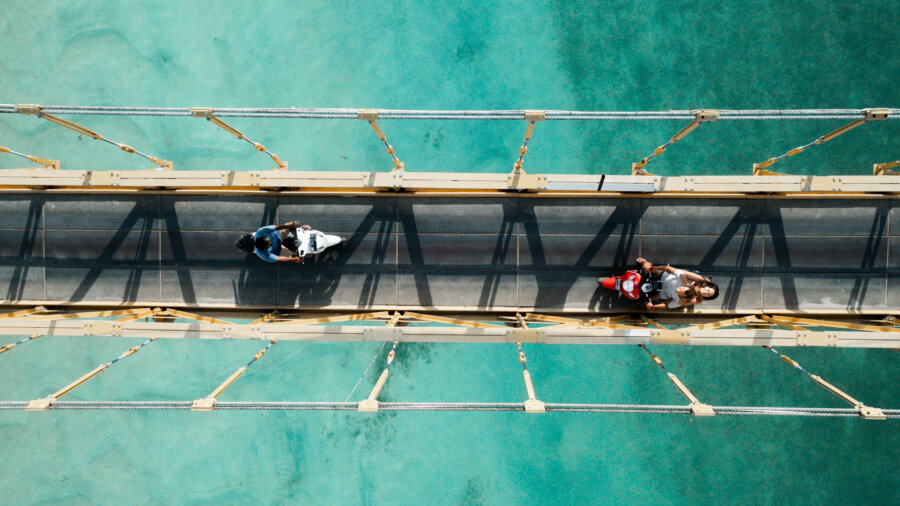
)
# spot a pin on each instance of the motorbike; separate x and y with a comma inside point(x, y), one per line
point(305, 242)
point(636, 284)
point(311, 242)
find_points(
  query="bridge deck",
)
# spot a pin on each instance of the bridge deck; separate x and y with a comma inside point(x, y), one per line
point(514, 252)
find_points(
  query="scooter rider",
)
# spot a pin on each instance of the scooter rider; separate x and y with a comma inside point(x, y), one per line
point(680, 288)
point(268, 242)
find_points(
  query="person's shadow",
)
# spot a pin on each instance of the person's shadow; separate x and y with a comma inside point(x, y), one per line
point(364, 258)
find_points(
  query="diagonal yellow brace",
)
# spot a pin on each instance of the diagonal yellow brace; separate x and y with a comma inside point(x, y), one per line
point(51, 164)
point(36, 110)
point(192, 316)
point(46, 402)
point(697, 407)
point(24, 312)
point(868, 115)
point(703, 116)
point(866, 412)
point(208, 113)
point(335, 319)
point(722, 323)
point(137, 316)
point(885, 169)
point(841, 325)
point(552, 319)
point(782, 323)
point(7, 347)
point(394, 319)
point(451, 321)
point(264, 318)
point(652, 323)
point(371, 117)
point(84, 314)
point(208, 403)
point(532, 117)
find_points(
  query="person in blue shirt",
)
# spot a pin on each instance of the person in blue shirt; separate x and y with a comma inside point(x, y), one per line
point(268, 242)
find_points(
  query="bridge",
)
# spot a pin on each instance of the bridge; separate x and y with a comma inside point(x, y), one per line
point(490, 258)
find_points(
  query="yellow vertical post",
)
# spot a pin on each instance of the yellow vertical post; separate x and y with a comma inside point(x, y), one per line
point(370, 116)
point(697, 407)
point(208, 403)
point(866, 412)
point(46, 402)
point(532, 405)
point(370, 404)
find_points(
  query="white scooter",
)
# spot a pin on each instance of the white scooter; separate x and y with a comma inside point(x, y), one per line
point(313, 242)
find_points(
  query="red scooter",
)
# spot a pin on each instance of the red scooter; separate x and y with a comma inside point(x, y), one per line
point(637, 285)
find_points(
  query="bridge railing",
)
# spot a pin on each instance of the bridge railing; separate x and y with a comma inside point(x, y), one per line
point(640, 180)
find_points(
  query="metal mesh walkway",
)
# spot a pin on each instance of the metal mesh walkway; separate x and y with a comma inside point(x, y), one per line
point(456, 253)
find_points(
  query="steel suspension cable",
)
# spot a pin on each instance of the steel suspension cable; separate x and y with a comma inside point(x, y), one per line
point(508, 115)
point(454, 406)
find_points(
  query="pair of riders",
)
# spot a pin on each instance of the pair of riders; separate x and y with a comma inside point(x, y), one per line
point(289, 242)
point(678, 288)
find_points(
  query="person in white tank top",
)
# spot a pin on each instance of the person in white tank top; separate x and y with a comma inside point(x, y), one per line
point(680, 288)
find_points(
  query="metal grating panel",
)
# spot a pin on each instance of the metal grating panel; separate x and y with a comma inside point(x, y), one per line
point(469, 288)
point(312, 286)
point(826, 254)
point(577, 252)
point(21, 211)
point(342, 216)
point(457, 251)
point(21, 247)
point(204, 249)
point(728, 217)
point(103, 283)
point(577, 290)
point(217, 212)
point(723, 253)
point(811, 292)
point(21, 282)
point(101, 212)
point(104, 247)
point(220, 286)
point(827, 217)
point(471, 215)
point(579, 216)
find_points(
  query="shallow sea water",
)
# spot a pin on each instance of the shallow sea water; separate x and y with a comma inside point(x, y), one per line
point(523, 55)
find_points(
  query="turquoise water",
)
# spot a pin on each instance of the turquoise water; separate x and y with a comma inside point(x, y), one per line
point(555, 55)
